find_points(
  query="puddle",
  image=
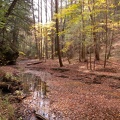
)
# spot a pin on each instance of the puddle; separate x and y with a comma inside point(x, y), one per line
point(35, 85)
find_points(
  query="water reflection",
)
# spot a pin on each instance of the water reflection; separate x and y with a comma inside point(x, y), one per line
point(35, 84)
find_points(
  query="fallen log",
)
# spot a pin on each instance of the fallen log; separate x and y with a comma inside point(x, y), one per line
point(34, 63)
point(63, 76)
point(61, 69)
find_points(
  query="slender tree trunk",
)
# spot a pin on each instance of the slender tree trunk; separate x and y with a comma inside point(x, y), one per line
point(57, 36)
point(97, 53)
point(41, 37)
point(106, 46)
point(46, 38)
point(90, 59)
point(79, 51)
point(52, 45)
point(111, 40)
point(38, 29)
point(10, 9)
point(35, 34)
point(52, 38)
point(96, 42)
point(83, 52)
point(110, 46)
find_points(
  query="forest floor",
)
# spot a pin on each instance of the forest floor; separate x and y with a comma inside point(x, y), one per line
point(80, 94)
point(76, 93)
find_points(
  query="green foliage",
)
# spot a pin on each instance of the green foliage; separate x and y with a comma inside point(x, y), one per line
point(22, 53)
point(67, 46)
point(15, 25)
point(3, 10)
point(71, 10)
point(10, 76)
point(84, 23)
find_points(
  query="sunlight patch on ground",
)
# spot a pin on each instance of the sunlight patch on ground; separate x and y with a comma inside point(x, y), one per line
point(84, 69)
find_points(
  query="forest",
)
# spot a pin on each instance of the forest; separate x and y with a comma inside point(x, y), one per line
point(59, 60)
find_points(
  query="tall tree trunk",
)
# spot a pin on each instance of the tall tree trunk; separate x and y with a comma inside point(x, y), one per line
point(52, 38)
point(41, 37)
point(38, 28)
point(35, 28)
point(83, 52)
point(46, 37)
point(57, 36)
point(15, 33)
point(111, 40)
point(96, 42)
point(106, 44)
point(97, 47)
point(79, 47)
point(10, 9)
point(97, 55)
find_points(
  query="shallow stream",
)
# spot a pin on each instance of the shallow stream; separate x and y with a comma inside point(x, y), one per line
point(36, 87)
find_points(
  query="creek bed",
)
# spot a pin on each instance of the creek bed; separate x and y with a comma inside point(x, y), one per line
point(34, 83)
